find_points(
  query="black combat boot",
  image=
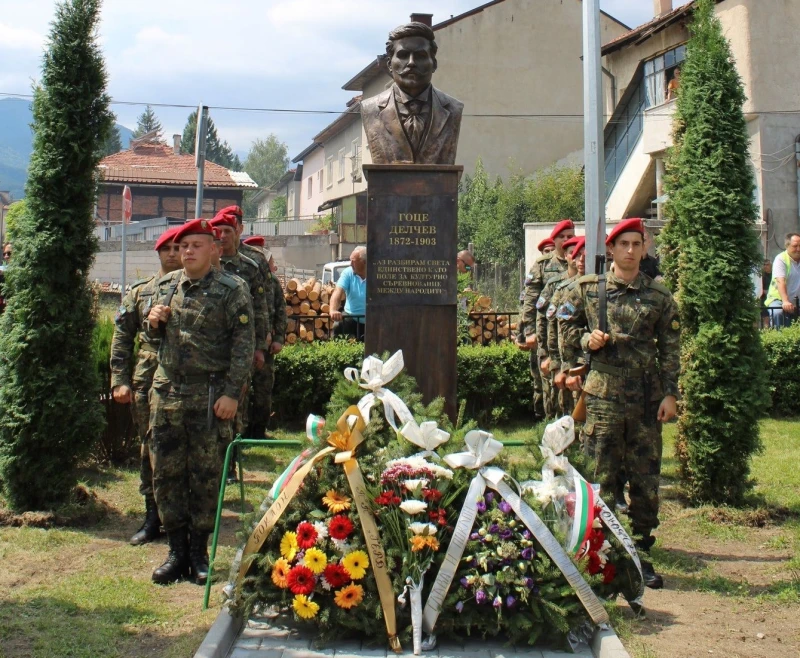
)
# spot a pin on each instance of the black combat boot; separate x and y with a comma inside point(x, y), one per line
point(151, 528)
point(177, 564)
point(652, 579)
point(232, 475)
point(198, 556)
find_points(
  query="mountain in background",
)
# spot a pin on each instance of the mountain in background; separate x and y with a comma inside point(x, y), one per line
point(16, 144)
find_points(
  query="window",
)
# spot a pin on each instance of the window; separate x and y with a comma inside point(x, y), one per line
point(310, 186)
point(329, 171)
point(355, 161)
point(319, 180)
point(341, 164)
point(659, 73)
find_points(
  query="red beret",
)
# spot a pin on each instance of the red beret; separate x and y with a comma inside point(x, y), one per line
point(236, 211)
point(570, 243)
point(580, 244)
point(166, 237)
point(547, 242)
point(255, 240)
point(224, 220)
point(562, 226)
point(216, 233)
point(633, 225)
point(194, 227)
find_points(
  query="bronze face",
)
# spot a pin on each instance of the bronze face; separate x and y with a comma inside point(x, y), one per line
point(412, 64)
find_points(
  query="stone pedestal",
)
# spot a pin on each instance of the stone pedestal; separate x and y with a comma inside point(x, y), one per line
point(412, 221)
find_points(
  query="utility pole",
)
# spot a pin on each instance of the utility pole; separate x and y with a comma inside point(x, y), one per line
point(200, 156)
point(594, 158)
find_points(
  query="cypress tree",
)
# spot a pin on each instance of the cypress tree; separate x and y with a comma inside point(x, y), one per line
point(711, 250)
point(49, 391)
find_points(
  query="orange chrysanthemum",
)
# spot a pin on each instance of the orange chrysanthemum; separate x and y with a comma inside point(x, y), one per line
point(420, 542)
point(335, 501)
point(349, 597)
point(338, 440)
point(280, 572)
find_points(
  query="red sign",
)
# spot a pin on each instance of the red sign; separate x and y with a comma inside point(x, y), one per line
point(127, 205)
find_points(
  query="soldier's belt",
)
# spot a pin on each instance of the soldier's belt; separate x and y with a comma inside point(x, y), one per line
point(626, 373)
point(147, 347)
point(187, 380)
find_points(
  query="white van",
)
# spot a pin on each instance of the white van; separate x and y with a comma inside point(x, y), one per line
point(332, 271)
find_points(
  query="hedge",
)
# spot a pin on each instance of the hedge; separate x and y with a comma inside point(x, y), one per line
point(782, 349)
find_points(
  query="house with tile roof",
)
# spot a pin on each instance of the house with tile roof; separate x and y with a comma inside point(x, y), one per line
point(163, 183)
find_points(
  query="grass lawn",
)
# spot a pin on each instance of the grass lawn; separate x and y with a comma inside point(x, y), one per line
point(82, 591)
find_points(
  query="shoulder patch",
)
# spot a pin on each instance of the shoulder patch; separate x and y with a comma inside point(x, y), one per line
point(563, 284)
point(227, 280)
point(141, 282)
point(167, 278)
point(587, 278)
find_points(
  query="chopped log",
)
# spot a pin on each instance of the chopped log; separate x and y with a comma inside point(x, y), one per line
point(293, 284)
point(305, 307)
point(302, 293)
point(315, 305)
point(309, 336)
point(319, 323)
point(291, 338)
point(296, 309)
point(295, 300)
point(488, 325)
point(287, 296)
point(320, 333)
point(487, 335)
point(316, 291)
point(475, 331)
point(325, 308)
point(291, 326)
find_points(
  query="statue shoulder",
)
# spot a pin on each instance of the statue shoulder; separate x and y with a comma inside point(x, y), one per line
point(370, 105)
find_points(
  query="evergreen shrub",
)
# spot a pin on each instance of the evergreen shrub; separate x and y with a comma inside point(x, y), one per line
point(782, 354)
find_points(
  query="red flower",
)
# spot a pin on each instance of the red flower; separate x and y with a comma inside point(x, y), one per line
point(438, 516)
point(596, 539)
point(433, 495)
point(609, 572)
point(301, 580)
point(336, 575)
point(593, 568)
point(340, 527)
point(306, 535)
point(388, 498)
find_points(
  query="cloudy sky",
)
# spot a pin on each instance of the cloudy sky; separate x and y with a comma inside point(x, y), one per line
point(234, 53)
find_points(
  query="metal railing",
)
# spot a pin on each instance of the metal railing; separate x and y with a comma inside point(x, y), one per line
point(324, 330)
point(777, 318)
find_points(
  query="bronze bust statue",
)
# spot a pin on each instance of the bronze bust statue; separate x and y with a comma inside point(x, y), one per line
point(412, 122)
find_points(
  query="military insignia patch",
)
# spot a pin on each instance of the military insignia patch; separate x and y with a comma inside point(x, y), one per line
point(551, 311)
point(204, 224)
point(244, 319)
point(676, 325)
point(260, 290)
point(540, 303)
point(528, 280)
point(566, 311)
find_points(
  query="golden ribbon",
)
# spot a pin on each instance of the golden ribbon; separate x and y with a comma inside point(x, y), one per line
point(344, 442)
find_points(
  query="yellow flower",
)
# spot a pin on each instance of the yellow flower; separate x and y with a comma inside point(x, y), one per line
point(335, 501)
point(315, 560)
point(338, 440)
point(350, 596)
point(305, 607)
point(356, 564)
point(419, 542)
point(289, 545)
point(279, 573)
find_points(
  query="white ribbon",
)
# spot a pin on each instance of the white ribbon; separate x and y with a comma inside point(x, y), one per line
point(415, 591)
point(427, 436)
point(482, 448)
point(374, 375)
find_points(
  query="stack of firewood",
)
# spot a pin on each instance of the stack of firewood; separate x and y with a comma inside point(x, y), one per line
point(305, 303)
point(486, 325)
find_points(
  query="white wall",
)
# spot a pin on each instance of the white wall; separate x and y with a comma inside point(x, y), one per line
point(313, 164)
point(138, 265)
point(336, 185)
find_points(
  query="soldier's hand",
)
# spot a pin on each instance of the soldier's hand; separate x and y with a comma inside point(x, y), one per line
point(545, 367)
point(159, 313)
point(275, 347)
point(531, 342)
point(560, 380)
point(336, 316)
point(122, 394)
point(574, 383)
point(225, 408)
point(597, 340)
point(258, 359)
point(667, 409)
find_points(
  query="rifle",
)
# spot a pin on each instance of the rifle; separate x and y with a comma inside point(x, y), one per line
point(579, 413)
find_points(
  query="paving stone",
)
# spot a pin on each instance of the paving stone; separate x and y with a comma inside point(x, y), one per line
point(245, 642)
point(239, 652)
point(307, 653)
point(465, 653)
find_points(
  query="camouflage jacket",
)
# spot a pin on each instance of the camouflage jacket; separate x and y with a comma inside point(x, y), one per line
point(542, 304)
point(247, 269)
point(128, 323)
point(543, 269)
point(210, 330)
point(278, 316)
point(552, 333)
point(261, 257)
point(644, 331)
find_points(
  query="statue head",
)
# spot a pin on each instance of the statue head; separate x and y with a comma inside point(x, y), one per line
point(411, 51)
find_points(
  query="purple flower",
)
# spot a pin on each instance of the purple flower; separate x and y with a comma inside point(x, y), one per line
point(535, 590)
point(505, 508)
point(510, 601)
point(527, 553)
point(498, 602)
point(529, 583)
point(507, 533)
point(480, 597)
point(489, 496)
point(526, 534)
point(460, 606)
point(481, 507)
point(494, 528)
point(464, 584)
point(474, 536)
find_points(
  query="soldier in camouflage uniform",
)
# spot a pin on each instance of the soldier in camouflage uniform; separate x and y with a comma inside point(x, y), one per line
point(544, 268)
point(632, 386)
point(205, 358)
point(134, 390)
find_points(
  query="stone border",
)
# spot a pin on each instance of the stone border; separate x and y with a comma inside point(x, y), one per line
point(225, 631)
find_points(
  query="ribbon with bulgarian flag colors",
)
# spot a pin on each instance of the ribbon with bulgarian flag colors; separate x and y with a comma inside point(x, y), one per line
point(314, 427)
point(583, 516)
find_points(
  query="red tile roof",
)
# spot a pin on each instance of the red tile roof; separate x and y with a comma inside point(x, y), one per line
point(157, 164)
point(646, 30)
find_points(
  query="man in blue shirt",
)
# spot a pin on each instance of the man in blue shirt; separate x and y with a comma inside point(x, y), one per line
point(352, 284)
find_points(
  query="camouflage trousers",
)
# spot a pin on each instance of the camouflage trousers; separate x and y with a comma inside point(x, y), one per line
point(261, 398)
point(619, 437)
point(184, 454)
point(566, 402)
point(538, 396)
point(141, 420)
